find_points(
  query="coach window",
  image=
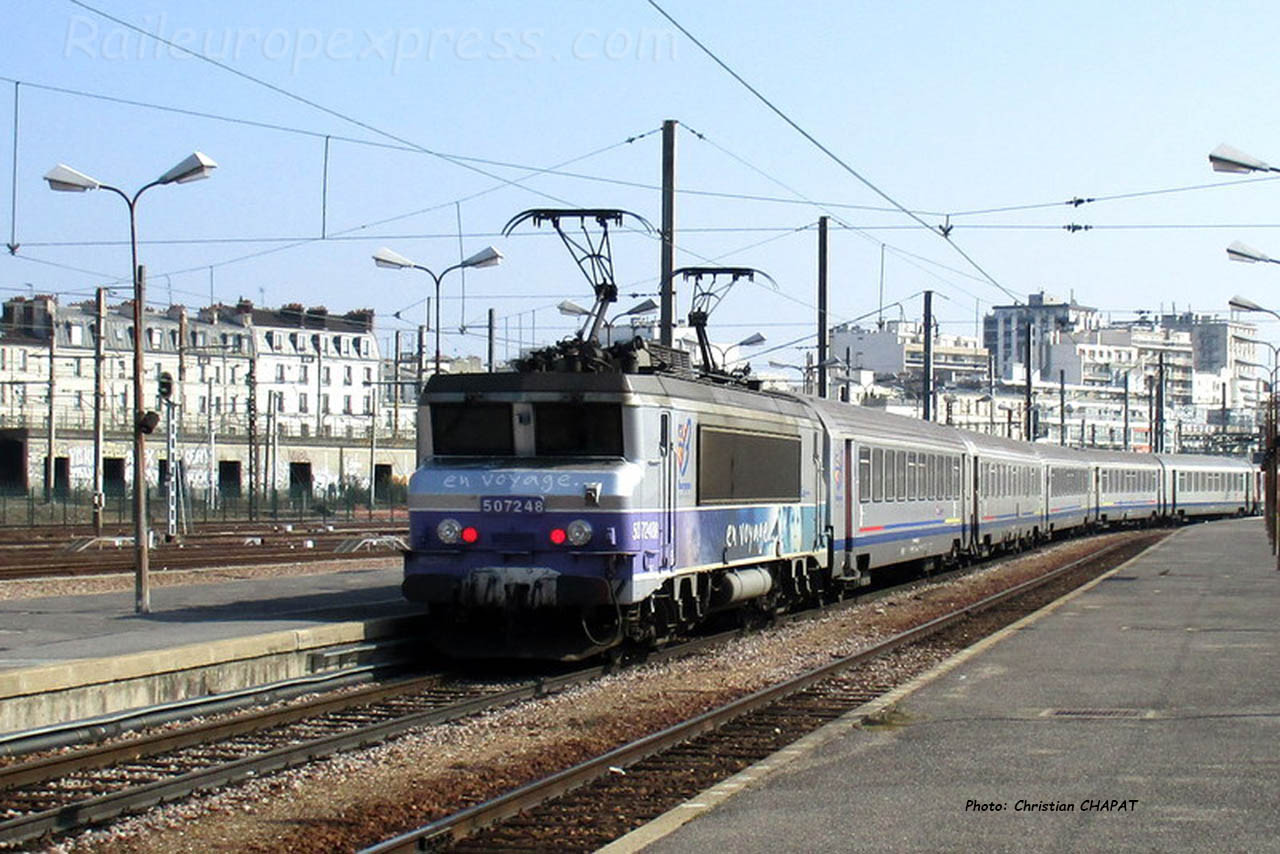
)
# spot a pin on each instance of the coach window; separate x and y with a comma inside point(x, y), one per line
point(740, 467)
point(877, 474)
point(900, 475)
point(864, 474)
point(472, 429)
point(890, 475)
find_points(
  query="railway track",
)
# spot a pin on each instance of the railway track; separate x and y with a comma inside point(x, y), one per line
point(48, 557)
point(75, 790)
point(589, 805)
point(89, 786)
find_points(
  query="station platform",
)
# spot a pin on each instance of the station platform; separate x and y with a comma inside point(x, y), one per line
point(71, 657)
point(1140, 714)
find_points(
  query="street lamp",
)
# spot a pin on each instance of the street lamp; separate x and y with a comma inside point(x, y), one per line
point(755, 339)
point(641, 307)
point(64, 179)
point(569, 308)
point(486, 257)
point(1238, 251)
point(1240, 303)
point(1224, 158)
point(806, 370)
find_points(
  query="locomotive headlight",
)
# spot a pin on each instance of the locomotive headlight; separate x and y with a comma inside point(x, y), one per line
point(449, 530)
point(579, 532)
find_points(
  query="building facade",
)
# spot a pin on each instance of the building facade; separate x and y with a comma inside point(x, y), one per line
point(270, 400)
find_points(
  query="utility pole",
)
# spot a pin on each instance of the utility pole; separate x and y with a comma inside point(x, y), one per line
point(1126, 410)
point(141, 536)
point(53, 352)
point(1160, 403)
point(251, 408)
point(880, 304)
point(926, 384)
point(99, 403)
point(1151, 414)
point(422, 348)
point(667, 264)
point(1027, 416)
point(1224, 417)
point(822, 308)
point(1062, 406)
point(395, 385)
point(373, 449)
point(492, 341)
point(319, 339)
point(212, 498)
point(991, 394)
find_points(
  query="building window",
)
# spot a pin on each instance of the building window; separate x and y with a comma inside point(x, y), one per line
point(324, 403)
point(279, 373)
point(346, 404)
point(302, 373)
point(368, 375)
point(346, 375)
point(302, 401)
point(327, 376)
point(368, 405)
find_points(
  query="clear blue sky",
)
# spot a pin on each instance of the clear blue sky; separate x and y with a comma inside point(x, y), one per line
point(946, 107)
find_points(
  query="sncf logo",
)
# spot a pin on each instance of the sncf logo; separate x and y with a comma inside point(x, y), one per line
point(684, 445)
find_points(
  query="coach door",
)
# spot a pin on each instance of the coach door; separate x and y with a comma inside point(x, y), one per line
point(669, 493)
point(973, 509)
point(861, 472)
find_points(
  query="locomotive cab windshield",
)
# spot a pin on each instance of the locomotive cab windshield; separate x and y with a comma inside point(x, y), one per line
point(539, 429)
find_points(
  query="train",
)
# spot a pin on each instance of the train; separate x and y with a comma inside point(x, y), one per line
point(595, 499)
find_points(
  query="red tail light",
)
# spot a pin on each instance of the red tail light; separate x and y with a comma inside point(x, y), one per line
point(470, 534)
point(558, 536)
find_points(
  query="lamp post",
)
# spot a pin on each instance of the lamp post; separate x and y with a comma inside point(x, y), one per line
point(1224, 158)
point(755, 339)
point(569, 308)
point(806, 371)
point(486, 257)
point(63, 178)
point(1242, 304)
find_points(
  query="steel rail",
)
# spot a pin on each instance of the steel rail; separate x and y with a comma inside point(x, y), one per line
point(461, 824)
point(89, 811)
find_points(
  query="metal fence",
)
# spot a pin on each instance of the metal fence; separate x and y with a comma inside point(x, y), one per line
point(74, 508)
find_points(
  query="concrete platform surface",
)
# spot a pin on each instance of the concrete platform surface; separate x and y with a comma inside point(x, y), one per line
point(1141, 715)
point(35, 632)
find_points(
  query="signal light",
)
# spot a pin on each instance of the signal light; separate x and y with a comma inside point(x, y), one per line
point(558, 536)
point(147, 422)
point(470, 535)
